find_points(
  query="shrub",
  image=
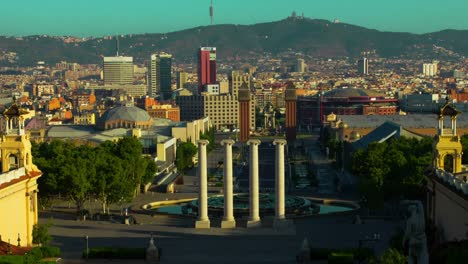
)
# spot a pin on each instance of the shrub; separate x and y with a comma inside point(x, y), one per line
point(41, 234)
point(49, 251)
point(116, 253)
point(392, 256)
point(33, 256)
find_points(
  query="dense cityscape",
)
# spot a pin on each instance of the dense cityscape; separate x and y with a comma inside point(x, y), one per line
point(134, 148)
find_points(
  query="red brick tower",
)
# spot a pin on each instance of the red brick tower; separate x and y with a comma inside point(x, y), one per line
point(291, 98)
point(244, 112)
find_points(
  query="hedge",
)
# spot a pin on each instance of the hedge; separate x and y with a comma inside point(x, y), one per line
point(325, 253)
point(116, 253)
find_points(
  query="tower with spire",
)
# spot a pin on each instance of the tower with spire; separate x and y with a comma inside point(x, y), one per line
point(291, 111)
point(244, 112)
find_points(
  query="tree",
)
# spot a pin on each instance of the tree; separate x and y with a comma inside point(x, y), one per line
point(129, 149)
point(184, 155)
point(112, 172)
point(41, 235)
point(392, 169)
point(110, 184)
point(209, 135)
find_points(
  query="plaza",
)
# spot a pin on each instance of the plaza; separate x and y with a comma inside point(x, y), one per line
point(182, 243)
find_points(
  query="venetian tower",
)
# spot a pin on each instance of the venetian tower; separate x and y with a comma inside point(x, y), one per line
point(447, 148)
point(18, 180)
point(291, 111)
point(244, 112)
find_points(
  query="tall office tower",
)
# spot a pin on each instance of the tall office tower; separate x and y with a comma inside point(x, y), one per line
point(182, 79)
point(244, 112)
point(363, 66)
point(300, 65)
point(118, 70)
point(429, 69)
point(291, 111)
point(237, 79)
point(206, 67)
point(159, 77)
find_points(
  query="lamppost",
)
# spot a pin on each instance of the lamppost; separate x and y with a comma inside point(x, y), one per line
point(86, 238)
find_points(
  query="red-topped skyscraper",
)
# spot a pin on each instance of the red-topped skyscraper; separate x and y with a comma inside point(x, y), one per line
point(206, 67)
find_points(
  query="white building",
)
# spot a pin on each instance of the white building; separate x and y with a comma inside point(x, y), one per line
point(118, 70)
point(429, 69)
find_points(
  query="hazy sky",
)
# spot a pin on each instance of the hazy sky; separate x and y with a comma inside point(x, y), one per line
point(109, 17)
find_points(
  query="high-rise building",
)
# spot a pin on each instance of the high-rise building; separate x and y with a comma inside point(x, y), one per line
point(159, 77)
point(182, 79)
point(118, 70)
point(429, 69)
point(206, 67)
point(363, 66)
point(237, 79)
point(300, 65)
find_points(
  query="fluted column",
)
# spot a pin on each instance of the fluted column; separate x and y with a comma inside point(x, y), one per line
point(228, 220)
point(254, 218)
point(279, 178)
point(203, 221)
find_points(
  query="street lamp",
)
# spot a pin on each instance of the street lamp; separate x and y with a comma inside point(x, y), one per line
point(86, 238)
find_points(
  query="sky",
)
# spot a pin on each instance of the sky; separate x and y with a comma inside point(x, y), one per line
point(110, 17)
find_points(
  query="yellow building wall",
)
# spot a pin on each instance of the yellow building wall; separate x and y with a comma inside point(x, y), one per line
point(448, 145)
point(18, 215)
point(161, 151)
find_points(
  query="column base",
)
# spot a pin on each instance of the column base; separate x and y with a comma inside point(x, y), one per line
point(228, 224)
point(202, 224)
point(254, 223)
point(282, 223)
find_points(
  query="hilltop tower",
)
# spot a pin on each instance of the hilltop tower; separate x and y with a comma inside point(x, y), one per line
point(447, 148)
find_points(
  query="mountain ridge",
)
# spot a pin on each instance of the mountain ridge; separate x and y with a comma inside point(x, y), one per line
point(313, 37)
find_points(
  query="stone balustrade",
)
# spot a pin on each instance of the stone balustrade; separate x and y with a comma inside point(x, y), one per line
point(12, 175)
point(452, 180)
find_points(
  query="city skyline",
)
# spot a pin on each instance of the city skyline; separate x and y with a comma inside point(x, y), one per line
point(87, 18)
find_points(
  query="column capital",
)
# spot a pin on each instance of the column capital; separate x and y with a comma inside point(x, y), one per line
point(228, 142)
point(280, 142)
point(203, 142)
point(254, 142)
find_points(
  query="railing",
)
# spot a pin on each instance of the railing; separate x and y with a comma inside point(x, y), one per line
point(452, 180)
point(12, 175)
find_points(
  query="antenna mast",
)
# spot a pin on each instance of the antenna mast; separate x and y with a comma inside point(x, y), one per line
point(117, 45)
point(211, 12)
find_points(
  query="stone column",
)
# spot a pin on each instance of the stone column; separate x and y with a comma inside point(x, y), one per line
point(228, 220)
point(254, 218)
point(279, 178)
point(203, 221)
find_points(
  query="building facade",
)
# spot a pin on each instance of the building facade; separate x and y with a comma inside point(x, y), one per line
point(166, 111)
point(206, 67)
point(118, 70)
point(18, 181)
point(160, 76)
point(363, 66)
point(223, 110)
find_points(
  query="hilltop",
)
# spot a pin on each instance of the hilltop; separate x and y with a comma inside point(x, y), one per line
point(313, 37)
